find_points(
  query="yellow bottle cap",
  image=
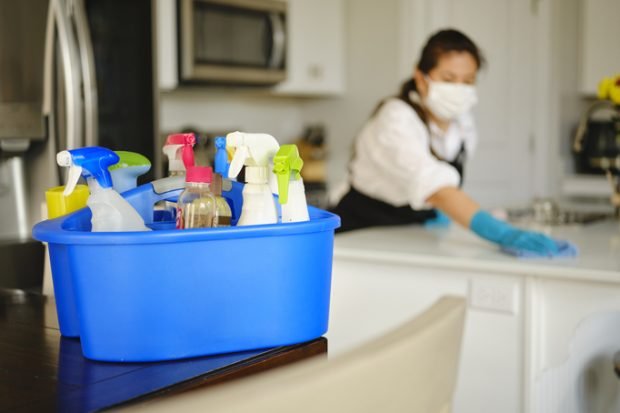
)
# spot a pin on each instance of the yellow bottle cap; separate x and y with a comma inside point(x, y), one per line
point(59, 205)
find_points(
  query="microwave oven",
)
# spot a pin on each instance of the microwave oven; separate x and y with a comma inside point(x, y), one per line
point(232, 41)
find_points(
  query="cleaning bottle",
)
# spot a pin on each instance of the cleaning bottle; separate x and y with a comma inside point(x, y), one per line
point(221, 181)
point(221, 157)
point(111, 212)
point(256, 152)
point(126, 171)
point(177, 146)
point(197, 206)
point(224, 213)
point(287, 166)
point(179, 151)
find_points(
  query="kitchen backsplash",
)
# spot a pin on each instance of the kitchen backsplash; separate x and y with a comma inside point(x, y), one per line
point(225, 110)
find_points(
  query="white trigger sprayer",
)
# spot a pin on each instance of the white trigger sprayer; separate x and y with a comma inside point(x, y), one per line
point(287, 166)
point(111, 212)
point(256, 152)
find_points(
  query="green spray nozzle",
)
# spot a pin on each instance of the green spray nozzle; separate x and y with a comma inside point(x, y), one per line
point(287, 162)
point(130, 166)
point(129, 159)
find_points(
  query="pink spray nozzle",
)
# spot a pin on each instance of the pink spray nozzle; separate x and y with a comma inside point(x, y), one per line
point(199, 174)
point(181, 139)
point(188, 140)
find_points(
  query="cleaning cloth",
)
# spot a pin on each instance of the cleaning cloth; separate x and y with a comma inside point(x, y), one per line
point(441, 220)
point(566, 249)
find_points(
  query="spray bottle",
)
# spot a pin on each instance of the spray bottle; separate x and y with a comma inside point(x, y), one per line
point(179, 151)
point(111, 212)
point(204, 180)
point(125, 173)
point(179, 146)
point(287, 166)
point(221, 157)
point(255, 151)
point(197, 206)
point(220, 181)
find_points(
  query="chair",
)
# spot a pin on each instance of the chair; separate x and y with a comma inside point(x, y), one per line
point(411, 369)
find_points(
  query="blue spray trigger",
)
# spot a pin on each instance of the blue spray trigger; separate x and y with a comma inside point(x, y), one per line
point(94, 162)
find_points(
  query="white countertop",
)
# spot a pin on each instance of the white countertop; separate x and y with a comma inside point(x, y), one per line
point(457, 248)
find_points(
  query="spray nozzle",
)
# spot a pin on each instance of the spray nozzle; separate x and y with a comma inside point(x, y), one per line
point(287, 162)
point(130, 166)
point(252, 149)
point(91, 162)
point(179, 150)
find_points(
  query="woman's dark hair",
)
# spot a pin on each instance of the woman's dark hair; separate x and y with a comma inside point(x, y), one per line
point(440, 43)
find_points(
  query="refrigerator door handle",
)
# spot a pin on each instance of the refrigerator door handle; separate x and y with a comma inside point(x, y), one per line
point(48, 62)
point(48, 95)
point(89, 78)
point(71, 73)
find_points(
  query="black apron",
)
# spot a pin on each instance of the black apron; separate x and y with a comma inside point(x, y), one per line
point(357, 210)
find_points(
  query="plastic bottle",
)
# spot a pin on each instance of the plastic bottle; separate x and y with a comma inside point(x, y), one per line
point(287, 166)
point(197, 206)
point(126, 171)
point(179, 150)
point(221, 156)
point(219, 182)
point(111, 212)
point(178, 146)
point(256, 152)
point(223, 209)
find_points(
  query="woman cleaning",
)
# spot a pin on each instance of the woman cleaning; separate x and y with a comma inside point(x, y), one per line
point(408, 158)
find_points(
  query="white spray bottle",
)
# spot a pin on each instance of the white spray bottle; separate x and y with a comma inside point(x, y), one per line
point(256, 152)
point(111, 212)
point(287, 166)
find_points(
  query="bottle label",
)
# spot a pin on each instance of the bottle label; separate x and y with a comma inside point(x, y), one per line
point(221, 221)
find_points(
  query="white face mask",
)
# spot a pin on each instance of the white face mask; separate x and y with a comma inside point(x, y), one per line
point(449, 100)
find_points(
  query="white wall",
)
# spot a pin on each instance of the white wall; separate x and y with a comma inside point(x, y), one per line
point(372, 73)
point(567, 104)
point(229, 110)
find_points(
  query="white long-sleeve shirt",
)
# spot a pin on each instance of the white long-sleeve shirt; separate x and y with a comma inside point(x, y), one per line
point(393, 161)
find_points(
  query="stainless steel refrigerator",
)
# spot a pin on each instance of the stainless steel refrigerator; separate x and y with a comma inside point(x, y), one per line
point(72, 73)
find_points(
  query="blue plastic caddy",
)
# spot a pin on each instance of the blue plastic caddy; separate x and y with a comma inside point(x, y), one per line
point(170, 294)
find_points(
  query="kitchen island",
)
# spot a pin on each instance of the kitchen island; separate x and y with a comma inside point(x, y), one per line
point(539, 332)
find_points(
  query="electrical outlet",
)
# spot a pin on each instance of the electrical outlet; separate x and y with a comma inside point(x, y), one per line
point(494, 295)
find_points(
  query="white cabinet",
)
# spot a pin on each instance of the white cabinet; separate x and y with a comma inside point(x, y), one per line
point(315, 59)
point(601, 51)
point(573, 336)
point(531, 343)
point(372, 297)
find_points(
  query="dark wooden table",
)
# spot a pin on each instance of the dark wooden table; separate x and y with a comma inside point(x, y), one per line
point(40, 371)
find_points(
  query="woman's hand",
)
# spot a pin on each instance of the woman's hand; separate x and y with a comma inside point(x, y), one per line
point(511, 238)
point(464, 210)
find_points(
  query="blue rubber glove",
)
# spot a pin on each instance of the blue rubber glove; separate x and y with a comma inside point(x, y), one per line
point(441, 220)
point(509, 237)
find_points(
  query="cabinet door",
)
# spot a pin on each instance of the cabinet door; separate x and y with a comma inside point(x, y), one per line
point(370, 298)
point(601, 50)
point(315, 59)
point(500, 172)
point(573, 336)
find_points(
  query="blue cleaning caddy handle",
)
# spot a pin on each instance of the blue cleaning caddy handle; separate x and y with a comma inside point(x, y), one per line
point(144, 197)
